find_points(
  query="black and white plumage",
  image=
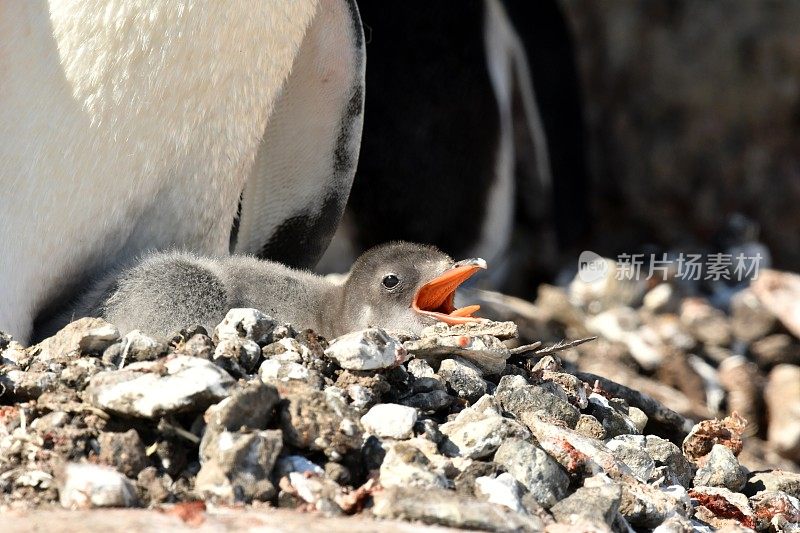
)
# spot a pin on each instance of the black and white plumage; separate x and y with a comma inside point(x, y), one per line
point(130, 126)
point(398, 286)
point(472, 131)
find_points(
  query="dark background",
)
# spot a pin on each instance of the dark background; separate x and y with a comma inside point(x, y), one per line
point(693, 113)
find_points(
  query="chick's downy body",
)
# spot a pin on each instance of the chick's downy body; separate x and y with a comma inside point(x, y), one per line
point(399, 286)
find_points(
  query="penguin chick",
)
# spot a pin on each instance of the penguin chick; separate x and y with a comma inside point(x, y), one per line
point(399, 286)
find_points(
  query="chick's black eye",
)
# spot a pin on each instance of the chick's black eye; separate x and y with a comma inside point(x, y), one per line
point(390, 281)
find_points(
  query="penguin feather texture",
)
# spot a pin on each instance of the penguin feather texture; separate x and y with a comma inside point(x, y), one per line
point(128, 126)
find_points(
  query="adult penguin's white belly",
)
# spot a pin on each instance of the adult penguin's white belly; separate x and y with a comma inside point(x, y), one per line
point(131, 125)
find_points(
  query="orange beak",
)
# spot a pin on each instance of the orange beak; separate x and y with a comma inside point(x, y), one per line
point(435, 298)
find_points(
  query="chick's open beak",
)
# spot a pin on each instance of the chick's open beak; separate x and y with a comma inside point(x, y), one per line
point(435, 298)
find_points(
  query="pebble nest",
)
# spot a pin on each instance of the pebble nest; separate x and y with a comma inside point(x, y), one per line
point(453, 428)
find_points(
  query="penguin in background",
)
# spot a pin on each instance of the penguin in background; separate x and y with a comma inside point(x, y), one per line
point(473, 137)
point(128, 127)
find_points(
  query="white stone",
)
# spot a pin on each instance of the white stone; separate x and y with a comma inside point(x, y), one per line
point(245, 323)
point(83, 486)
point(407, 466)
point(369, 349)
point(298, 463)
point(661, 299)
point(390, 420)
point(274, 369)
point(245, 352)
point(502, 490)
point(479, 430)
point(360, 395)
point(153, 389)
point(309, 488)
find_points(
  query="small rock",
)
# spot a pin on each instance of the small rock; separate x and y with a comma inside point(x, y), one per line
point(501, 330)
point(274, 371)
point(523, 400)
point(429, 402)
point(25, 386)
point(638, 417)
point(156, 488)
point(479, 430)
point(632, 450)
point(338, 473)
point(589, 426)
point(668, 455)
point(707, 323)
point(369, 349)
point(86, 336)
point(677, 524)
point(314, 420)
point(236, 465)
point(50, 421)
point(598, 505)
point(244, 323)
point(237, 355)
point(720, 507)
point(249, 407)
point(744, 384)
point(501, 490)
point(750, 320)
point(448, 508)
point(14, 353)
point(318, 491)
point(646, 506)
point(614, 324)
point(775, 480)
point(704, 435)
point(135, 346)
point(297, 463)
point(782, 396)
point(604, 288)
point(428, 385)
point(84, 486)
point(575, 390)
point(419, 368)
point(406, 466)
point(773, 507)
point(5, 340)
point(609, 413)
point(576, 453)
point(776, 349)
point(155, 389)
point(361, 396)
point(663, 298)
point(76, 374)
point(486, 352)
point(779, 293)
point(721, 469)
point(124, 451)
point(198, 345)
point(286, 350)
point(471, 471)
point(464, 378)
point(534, 469)
point(428, 429)
point(390, 420)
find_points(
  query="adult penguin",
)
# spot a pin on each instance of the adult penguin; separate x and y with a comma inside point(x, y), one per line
point(473, 135)
point(129, 126)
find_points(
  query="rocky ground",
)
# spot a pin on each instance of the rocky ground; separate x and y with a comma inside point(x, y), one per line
point(678, 417)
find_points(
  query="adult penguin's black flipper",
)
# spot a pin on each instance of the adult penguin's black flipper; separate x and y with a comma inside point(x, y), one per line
point(298, 187)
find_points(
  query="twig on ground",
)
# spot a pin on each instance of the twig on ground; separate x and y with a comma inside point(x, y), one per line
point(531, 349)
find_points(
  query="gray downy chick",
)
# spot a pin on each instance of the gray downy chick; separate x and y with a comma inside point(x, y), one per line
point(399, 286)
